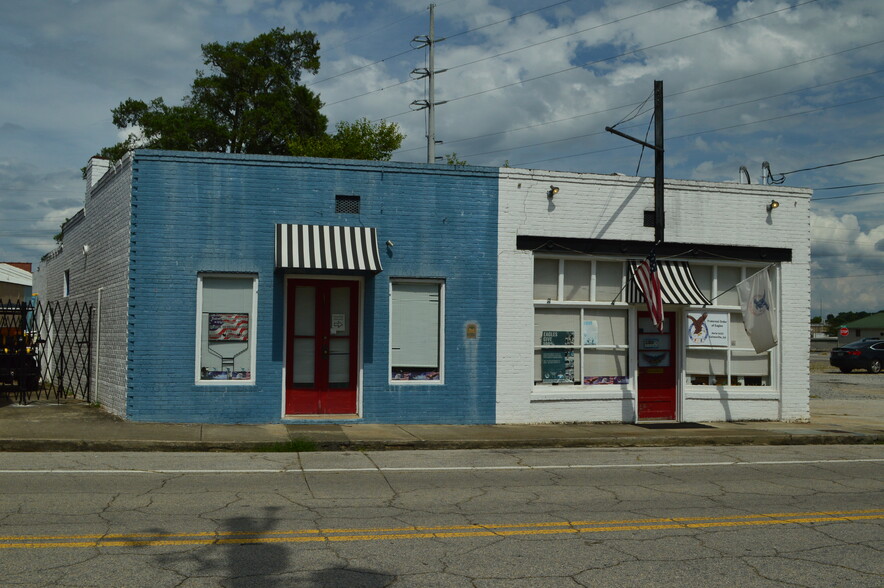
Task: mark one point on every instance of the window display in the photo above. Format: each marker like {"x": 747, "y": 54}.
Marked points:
{"x": 225, "y": 328}
{"x": 579, "y": 344}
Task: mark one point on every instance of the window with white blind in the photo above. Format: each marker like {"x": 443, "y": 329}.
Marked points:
{"x": 416, "y": 311}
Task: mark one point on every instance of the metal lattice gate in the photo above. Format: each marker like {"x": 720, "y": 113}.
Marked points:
{"x": 45, "y": 350}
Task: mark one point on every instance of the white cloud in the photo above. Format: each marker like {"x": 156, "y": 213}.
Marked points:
{"x": 848, "y": 263}
{"x": 67, "y": 64}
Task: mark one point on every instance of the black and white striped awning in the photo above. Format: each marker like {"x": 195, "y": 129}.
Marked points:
{"x": 676, "y": 282}
{"x": 321, "y": 247}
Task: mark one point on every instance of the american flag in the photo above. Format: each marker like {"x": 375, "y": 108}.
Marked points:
{"x": 649, "y": 282}
{"x": 228, "y": 327}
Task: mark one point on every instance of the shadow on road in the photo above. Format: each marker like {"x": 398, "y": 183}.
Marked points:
{"x": 236, "y": 563}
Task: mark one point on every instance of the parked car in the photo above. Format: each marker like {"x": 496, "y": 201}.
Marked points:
{"x": 867, "y": 354}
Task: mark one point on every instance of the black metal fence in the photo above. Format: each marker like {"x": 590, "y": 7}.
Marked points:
{"x": 45, "y": 350}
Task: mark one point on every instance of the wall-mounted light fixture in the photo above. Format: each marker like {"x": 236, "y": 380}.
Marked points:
{"x": 553, "y": 190}
{"x": 85, "y": 250}
{"x": 773, "y": 204}
{"x": 390, "y": 243}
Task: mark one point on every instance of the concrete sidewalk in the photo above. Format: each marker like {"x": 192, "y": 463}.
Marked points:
{"x": 77, "y": 426}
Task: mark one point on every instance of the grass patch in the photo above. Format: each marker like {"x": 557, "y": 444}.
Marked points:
{"x": 296, "y": 445}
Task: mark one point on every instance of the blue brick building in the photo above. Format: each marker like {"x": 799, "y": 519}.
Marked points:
{"x": 270, "y": 289}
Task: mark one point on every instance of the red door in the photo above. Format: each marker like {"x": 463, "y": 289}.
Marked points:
{"x": 322, "y": 349}
{"x": 657, "y": 368}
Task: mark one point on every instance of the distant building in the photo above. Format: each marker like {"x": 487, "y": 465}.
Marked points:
{"x": 871, "y": 326}
{"x": 16, "y": 282}
{"x": 243, "y": 288}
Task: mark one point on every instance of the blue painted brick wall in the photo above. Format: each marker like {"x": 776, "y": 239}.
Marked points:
{"x": 194, "y": 212}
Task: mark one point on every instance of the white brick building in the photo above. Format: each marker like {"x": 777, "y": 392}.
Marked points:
{"x": 562, "y": 282}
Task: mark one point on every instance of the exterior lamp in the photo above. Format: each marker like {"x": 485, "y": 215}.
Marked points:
{"x": 553, "y": 190}
{"x": 773, "y": 204}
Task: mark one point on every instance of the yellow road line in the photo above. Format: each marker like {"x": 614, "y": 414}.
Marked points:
{"x": 451, "y": 531}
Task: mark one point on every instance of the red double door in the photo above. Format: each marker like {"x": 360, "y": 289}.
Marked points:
{"x": 322, "y": 346}
{"x": 657, "y": 369}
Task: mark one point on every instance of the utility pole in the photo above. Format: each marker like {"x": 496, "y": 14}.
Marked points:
{"x": 430, "y": 72}
{"x": 659, "y": 216}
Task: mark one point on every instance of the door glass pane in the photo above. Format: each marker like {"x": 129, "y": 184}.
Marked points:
{"x": 339, "y": 363}
{"x": 305, "y": 310}
{"x": 339, "y": 321}
{"x": 303, "y": 362}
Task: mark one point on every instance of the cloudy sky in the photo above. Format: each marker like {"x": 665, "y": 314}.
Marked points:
{"x": 797, "y": 83}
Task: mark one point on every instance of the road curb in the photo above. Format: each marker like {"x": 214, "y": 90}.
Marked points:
{"x": 63, "y": 445}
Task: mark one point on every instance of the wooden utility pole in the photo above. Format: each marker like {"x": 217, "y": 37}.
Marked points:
{"x": 659, "y": 215}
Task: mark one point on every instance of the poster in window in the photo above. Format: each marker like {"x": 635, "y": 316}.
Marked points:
{"x": 707, "y": 329}
{"x": 228, "y": 327}
{"x": 557, "y": 338}
{"x": 557, "y": 365}
{"x": 338, "y": 323}
{"x": 653, "y": 359}
{"x": 590, "y": 332}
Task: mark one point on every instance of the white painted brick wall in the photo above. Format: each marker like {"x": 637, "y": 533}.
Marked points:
{"x": 105, "y": 228}
{"x": 612, "y": 207}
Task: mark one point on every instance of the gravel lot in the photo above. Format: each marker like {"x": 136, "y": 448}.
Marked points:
{"x": 828, "y": 383}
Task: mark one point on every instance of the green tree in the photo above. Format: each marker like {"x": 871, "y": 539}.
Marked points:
{"x": 249, "y": 101}
{"x": 453, "y": 159}
{"x": 357, "y": 140}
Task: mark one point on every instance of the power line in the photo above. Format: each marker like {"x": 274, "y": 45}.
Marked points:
{"x": 565, "y": 36}
{"x": 795, "y": 171}
{"x": 361, "y": 67}
{"x": 847, "y": 196}
{"x": 313, "y": 83}
{"x": 629, "y": 117}
{"x": 506, "y": 20}
{"x": 848, "y": 186}
{"x": 722, "y": 129}
{"x": 627, "y": 53}
{"x": 680, "y": 93}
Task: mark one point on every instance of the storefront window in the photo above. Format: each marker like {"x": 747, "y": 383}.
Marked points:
{"x": 226, "y": 328}
{"x": 723, "y": 354}
{"x": 579, "y": 344}
{"x": 416, "y": 312}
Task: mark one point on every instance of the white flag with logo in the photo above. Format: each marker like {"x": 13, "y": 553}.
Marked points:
{"x": 759, "y": 311}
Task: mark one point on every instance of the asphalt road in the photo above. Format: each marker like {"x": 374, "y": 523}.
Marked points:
{"x": 725, "y": 516}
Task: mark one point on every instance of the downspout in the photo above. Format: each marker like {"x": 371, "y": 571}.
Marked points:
{"x": 97, "y": 345}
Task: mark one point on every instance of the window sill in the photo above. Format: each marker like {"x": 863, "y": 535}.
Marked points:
{"x": 602, "y": 392}
{"x": 225, "y": 383}
{"x": 731, "y": 393}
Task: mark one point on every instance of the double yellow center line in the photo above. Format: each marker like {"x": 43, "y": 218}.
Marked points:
{"x": 443, "y": 532}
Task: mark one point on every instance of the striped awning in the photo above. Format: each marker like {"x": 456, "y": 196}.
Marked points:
{"x": 321, "y": 247}
{"x": 676, "y": 282}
